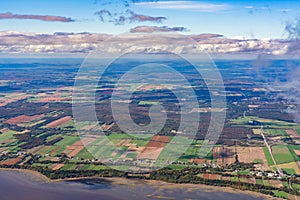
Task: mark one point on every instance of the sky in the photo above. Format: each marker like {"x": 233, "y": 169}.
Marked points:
{"x": 233, "y": 19}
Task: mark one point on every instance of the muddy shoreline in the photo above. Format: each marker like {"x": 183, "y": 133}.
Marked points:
{"x": 134, "y": 182}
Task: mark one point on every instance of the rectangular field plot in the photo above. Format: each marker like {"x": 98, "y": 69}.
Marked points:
{"x": 268, "y": 156}
{"x": 290, "y": 168}
{"x": 282, "y": 154}
{"x": 227, "y": 155}
{"x": 275, "y": 132}
{"x": 272, "y": 124}
{"x": 59, "y": 122}
{"x": 6, "y": 134}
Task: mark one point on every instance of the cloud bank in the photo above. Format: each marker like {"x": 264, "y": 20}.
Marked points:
{"x": 49, "y": 18}
{"x": 12, "y": 42}
{"x": 152, "y": 29}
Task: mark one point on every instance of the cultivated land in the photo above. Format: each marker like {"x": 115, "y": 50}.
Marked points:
{"x": 37, "y": 129}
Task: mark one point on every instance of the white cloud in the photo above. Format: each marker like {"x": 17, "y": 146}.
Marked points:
{"x": 249, "y": 7}
{"x": 185, "y": 5}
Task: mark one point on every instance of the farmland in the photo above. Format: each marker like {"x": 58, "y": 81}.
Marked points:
{"x": 38, "y": 131}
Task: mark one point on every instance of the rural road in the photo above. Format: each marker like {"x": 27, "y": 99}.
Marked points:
{"x": 270, "y": 150}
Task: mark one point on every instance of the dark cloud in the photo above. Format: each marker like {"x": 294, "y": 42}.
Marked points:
{"x": 102, "y": 14}
{"x": 151, "y": 29}
{"x": 143, "y": 18}
{"x": 293, "y": 31}
{"x": 49, "y": 18}
{"x": 126, "y": 17}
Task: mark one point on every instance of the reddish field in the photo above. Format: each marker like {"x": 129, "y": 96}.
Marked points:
{"x": 161, "y": 138}
{"x": 75, "y": 148}
{"x": 297, "y": 152}
{"x": 152, "y": 87}
{"x": 158, "y": 141}
{"x": 212, "y": 176}
{"x": 11, "y": 98}
{"x": 156, "y": 144}
{"x": 57, "y": 166}
{"x": 51, "y": 99}
{"x": 107, "y": 127}
{"x": 150, "y": 153}
{"x": 154, "y": 147}
{"x": 291, "y": 132}
{"x": 197, "y": 160}
{"x": 251, "y": 180}
{"x": 23, "y": 119}
{"x": 59, "y": 122}
{"x": 276, "y": 183}
{"x": 11, "y": 161}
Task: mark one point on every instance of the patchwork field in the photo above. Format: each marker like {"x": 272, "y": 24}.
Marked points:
{"x": 227, "y": 155}
{"x": 282, "y": 154}
{"x": 77, "y": 146}
{"x": 290, "y": 168}
{"x": 154, "y": 147}
{"x": 12, "y": 97}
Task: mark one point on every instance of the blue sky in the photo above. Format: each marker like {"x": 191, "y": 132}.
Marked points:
{"x": 249, "y": 19}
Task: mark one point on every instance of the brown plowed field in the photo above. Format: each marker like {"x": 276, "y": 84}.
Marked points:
{"x": 11, "y": 161}
{"x": 154, "y": 147}
{"x": 59, "y": 122}
{"x": 51, "y": 99}
{"x": 212, "y": 176}
{"x": 226, "y": 155}
{"x": 75, "y": 148}
{"x": 23, "y": 119}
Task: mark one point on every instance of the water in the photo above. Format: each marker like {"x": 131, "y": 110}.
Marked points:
{"x": 18, "y": 185}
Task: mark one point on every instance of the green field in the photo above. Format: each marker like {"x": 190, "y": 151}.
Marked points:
{"x": 85, "y": 154}
{"x": 69, "y": 167}
{"x": 267, "y": 123}
{"x": 276, "y": 132}
{"x": 148, "y": 103}
{"x": 7, "y": 135}
{"x": 280, "y": 194}
{"x": 268, "y": 156}
{"x": 40, "y": 165}
{"x": 266, "y": 182}
{"x": 289, "y": 171}
{"x": 67, "y": 141}
{"x": 45, "y": 150}
{"x": 258, "y": 161}
{"x": 131, "y": 155}
{"x": 282, "y": 154}
{"x": 296, "y": 186}
{"x": 259, "y": 181}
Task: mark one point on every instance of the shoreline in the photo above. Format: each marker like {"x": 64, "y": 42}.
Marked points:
{"x": 133, "y": 181}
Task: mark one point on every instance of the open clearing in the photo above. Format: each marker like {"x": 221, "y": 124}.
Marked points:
{"x": 226, "y": 155}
